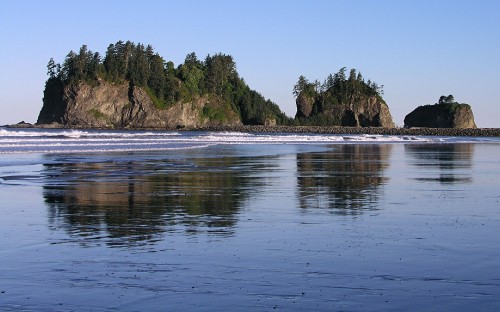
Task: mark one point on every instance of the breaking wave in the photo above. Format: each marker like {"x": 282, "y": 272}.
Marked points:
{"x": 85, "y": 141}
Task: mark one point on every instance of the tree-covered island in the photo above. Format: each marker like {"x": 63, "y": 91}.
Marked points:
{"x": 213, "y": 85}
{"x": 341, "y": 100}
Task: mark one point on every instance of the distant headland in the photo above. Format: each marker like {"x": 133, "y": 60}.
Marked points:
{"x": 133, "y": 87}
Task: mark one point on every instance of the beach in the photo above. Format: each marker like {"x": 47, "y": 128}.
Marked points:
{"x": 99, "y": 220}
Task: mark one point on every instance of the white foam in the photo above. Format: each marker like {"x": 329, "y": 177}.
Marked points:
{"x": 88, "y": 149}
{"x": 48, "y": 141}
{"x": 308, "y": 138}
{"x": 80, "y": 133}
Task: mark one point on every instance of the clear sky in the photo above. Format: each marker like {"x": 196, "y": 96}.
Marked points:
{"x": 418, "y": 49}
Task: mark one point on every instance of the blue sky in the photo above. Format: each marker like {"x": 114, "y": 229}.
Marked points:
{"x": 418, "y": 49}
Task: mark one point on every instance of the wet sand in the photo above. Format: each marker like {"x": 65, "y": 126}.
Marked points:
{"x": 340, "y": 227}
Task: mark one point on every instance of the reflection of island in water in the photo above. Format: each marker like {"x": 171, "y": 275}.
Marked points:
{"x": 136, "y": 202}
{"x": 346, "y": 179}
{"x": 452, "y": 160}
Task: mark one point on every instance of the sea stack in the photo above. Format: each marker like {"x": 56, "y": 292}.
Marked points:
{"x": 342, "y": 101}
{"x": 445, "y": 114}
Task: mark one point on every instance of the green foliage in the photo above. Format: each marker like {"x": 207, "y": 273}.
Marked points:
{"x": 97, "y": 114}
{"x": 220, "y": 69}
{"x": 157, "y": 79}
{"x": 447, "y": 104}
{"x": 317, "y": 120}
{"x": 214, "y": 113}
{"x": 158, "y": 102}
{"x": 84, "y": 66}
{"x": 165, "y": 84}
{"x": 305, "y": 87}
{"x": 191, "y": 73}
{"x": 450, "y": 107}
{"x": 51, "y": 68}
{"x": 443, "y": 99}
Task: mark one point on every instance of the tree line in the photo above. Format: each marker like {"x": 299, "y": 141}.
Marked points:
{"x": 339, "y": 84}
{"x": 337, "y": 88}
{"x": 165, "y": 83}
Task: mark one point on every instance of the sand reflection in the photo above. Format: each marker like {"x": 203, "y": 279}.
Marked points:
{"x": 452, "y": 160}
{"x": 137, "y": 202}
{"x": 346, "y": 180}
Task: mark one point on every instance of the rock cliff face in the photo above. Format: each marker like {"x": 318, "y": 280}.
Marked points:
{"x": 452, "y": 115}
{"x": 367, "y": 112}
{"x": 304, "y": 105}
{"x": 108, "y": 105}
{"x": 364, "y": 112}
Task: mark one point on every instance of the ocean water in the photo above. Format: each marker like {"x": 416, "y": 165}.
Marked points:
{"x": 182, "y": 221}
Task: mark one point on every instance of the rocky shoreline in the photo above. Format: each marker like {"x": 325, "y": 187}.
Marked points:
{"x": 477, "y": 132}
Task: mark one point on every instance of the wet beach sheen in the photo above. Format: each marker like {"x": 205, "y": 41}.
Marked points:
{"x": 309, "y": 223}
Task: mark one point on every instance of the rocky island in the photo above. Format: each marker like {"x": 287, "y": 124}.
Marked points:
{"x": 445, "y": 114}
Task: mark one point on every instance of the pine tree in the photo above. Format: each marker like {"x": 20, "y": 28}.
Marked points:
{"x": 51, "y": 68}
{"x": 300, "y": 86}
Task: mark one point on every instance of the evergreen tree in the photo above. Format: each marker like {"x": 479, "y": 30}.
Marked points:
{"x": 51, "y": 68}
{"x": 220, "y": 69}
{"x": 446, "y": 99}
{"x": 157, "y": 76}
{"x": 352, "y": 75}
{"x": 192, "y": 74}
{"x": 339, "y": 77}
{"x": 111, "y": 63}
{"x": 329, "y": 82}
{"x": 138, "y": 66}
{"x": 301, "y": 85}
{"x": 69, "y": 68}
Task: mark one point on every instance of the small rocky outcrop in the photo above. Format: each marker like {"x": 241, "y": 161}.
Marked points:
{"x": 109, "y": 105}
{"x": 441, "y": 115}
{"x": 21, "y": 124}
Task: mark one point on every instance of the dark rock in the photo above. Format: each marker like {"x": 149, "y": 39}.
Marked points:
{"x": 444, "y": 115}
{"x": 367, "y": 111}
{"x": 304, "y": 105}
{"x": 54, "y": 106}
{"x": 21, "y": 124}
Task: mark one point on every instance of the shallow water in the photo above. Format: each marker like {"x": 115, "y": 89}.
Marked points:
{"x": 268, "y": 225}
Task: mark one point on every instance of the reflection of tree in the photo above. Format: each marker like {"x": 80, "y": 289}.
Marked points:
{"x": 346, "y": 179}
{"x": 134, "y": 203}
{"x": 450, "y": 159}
